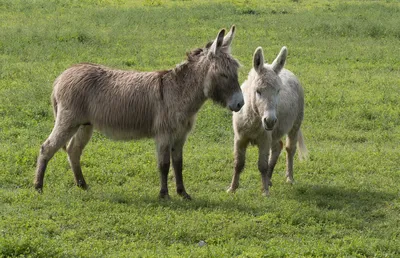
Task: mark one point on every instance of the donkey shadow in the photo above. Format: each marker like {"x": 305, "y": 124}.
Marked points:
{"x": 356, "y": 203}
{"x": 360, "y": 204}
{"x": 230, "y": 203}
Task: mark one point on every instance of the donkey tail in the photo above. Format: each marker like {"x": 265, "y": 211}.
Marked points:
{"x": 54, "y": 104}
{"x": 55, "y": 109}
{"x": 303, "y": 152}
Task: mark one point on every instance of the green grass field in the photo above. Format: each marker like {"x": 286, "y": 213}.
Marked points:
{"x": 346, "y": 200}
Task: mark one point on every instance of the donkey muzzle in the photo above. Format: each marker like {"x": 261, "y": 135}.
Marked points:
{"x": 236, "y": 102}
{"x": 269, "y": 122}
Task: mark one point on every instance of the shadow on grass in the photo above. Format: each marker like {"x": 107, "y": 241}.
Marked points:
{"x": 322, "y": 196}
{"x": 337, "y": 197}
{"x": 226, "y": 203}
{"x": 324, "y": 203}
{"x": 351, "y": 207}
{"x": 357, "y": 203}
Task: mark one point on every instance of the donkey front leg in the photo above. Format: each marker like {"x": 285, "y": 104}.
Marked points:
{"x": 263, "y": 156}
{"x": 276, "y": 148}
{"x": 163, "y": 155}
{"x": 177, "y": 163}
{"x": 240, "y": 146}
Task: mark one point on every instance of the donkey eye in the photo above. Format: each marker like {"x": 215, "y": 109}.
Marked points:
{"x": 258, "y": 93}
{"x": 224, "y": 75}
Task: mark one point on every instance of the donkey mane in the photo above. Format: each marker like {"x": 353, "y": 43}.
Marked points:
{"x": 193, "y": 55}
{"x": 160, "y": 75}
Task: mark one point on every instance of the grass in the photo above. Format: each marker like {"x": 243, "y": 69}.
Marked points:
{"x": 346, "y": 199}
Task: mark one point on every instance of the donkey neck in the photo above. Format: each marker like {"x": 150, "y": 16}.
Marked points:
{"x": 185, "y": 85}
{"x": 249, "y": 110}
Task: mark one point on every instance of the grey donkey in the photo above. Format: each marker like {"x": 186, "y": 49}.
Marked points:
{"x": 126, "y": 105}
{"x": 274, "y": 107}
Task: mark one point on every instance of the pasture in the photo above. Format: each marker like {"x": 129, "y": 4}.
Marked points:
{"x": 346, "y": 199}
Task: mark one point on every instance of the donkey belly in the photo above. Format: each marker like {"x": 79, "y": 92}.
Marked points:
{"x": 123, "y": 120}
{"x": 119, "y": 127}
{"x": 123, "y": 135}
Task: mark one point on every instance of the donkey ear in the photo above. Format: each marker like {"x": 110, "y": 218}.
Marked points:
{"x": 280, "y": 60}
{"x": 258, "y": 60}
{"x": 217, "y": 42}
{"x": 229, "y": 37}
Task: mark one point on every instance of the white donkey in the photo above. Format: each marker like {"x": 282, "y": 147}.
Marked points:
{"x": 274, "y": 107}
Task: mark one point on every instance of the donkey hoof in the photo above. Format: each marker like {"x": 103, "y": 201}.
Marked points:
{"x": 231, "y": 190}
{"x": 164, "y": 195}
{"x": 289, "y": 180}
{"x": 184, "y": 195}
{"x": 39, "y": 189}
{"x": 265, "y": 193}
{"x": 82, "y": 185}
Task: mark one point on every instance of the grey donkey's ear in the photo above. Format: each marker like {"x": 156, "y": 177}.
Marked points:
{"x": 280, "y": 60}
{"x": 229, "y": 37}
{"x": 217, "y": 42}
{"x": 258, "y": 60}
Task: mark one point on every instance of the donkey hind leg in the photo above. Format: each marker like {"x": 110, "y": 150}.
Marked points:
{"x": 164, "y": 157}
{"x": 59, "y": 137}
{"x": 276, "y": 148}
{"x": 240, "y": 146}
{"x": 291, "y": 146}
{"x": 177, "y": 161}
{"x": 74, "y": 150}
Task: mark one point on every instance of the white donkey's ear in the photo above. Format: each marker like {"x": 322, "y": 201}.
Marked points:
{"x": 280, "y": 60}
{"x": 258, "y": 60}
{"x": 217, "y": 42}
{"x": 229, "y": 37}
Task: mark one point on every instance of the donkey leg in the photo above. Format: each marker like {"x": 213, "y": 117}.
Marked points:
{"x": 177, "y": 161}
{"x": 74, "y": 150}
{"x": 276, "y": 148}
{"x": 263, "y": 156}
{"x": 291, "y": 146}
{"x": 58, "y": 138}
{"x": 164, "y": 156}
{"x": 240, "y": 146}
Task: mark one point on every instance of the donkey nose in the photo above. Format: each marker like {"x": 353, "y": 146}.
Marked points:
{"x": 235, "y": 107}
{"x": 240, "y": 105}
{"x": 236, "y": 102}
{"x": 269, "y": 123}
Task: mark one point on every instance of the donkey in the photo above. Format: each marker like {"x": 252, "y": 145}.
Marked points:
{"x": 127, "y": 105}
{"x": 274, "y": 107}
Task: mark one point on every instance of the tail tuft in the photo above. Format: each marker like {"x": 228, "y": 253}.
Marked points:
{"x": 303, "y": 152}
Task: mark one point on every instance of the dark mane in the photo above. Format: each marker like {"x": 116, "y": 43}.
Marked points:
{"x": 194, "y": 53}
{"x": 160, "y": 75}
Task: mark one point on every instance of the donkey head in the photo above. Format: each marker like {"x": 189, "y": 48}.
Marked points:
{"x": 266, "y": 86}
{"x": 221, "y": 82}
